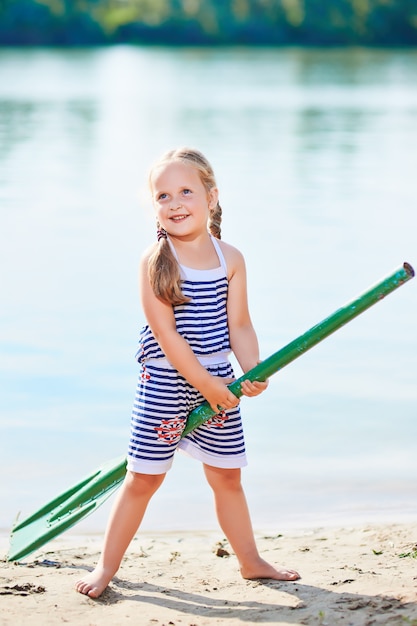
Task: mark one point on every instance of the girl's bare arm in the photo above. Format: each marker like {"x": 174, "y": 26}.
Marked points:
{"x": 243, "y": 339}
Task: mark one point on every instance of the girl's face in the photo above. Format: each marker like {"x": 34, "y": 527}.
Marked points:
{"x": 181, "y": 200}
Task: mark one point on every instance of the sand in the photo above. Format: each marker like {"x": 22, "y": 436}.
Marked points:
{"x": 351, "y": 576}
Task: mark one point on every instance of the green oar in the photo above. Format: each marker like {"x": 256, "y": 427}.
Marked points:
{"x": 88, "y": 494}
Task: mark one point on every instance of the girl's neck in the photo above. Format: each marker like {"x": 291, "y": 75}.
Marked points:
{"x": 198, "y": 253}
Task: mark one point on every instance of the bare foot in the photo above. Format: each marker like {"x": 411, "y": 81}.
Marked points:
{"x": 94, "y": 584}
{"x": 262, "y": 569}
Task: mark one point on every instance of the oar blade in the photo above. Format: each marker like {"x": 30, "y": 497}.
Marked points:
{"x": 61, "y": 513}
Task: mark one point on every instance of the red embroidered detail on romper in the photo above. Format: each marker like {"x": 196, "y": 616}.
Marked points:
{"x": 145, "y": 375}
{"x": 170, "y": 430}
{"x": 217, "y": 420}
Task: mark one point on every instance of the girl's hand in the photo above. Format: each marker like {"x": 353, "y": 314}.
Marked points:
{"x": 218, "y": 395}
{"x": 253, "y": 389}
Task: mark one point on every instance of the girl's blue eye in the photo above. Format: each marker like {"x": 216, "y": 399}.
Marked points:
{"x": 187, "y": 191}
{"x": 162, "y": 196}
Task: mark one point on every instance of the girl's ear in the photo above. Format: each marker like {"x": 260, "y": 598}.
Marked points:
{"x": 213, "y": 197}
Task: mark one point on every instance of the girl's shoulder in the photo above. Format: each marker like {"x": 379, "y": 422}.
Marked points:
{"x": 233, "y": 257}
{"x": 229, "y": 250}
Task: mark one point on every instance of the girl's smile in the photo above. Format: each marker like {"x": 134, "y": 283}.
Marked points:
{"x": 178, "y": 218}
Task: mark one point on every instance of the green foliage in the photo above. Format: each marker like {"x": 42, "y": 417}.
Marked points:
{"x": 205, "y": 22}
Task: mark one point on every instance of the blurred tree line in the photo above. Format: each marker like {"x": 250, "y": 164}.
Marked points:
{"x": 206, "y": 22}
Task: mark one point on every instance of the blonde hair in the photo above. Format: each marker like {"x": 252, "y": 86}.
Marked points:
{"x": 163, "y": 269}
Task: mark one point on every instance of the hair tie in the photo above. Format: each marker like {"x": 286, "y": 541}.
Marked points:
{"x": 161, "y": 233}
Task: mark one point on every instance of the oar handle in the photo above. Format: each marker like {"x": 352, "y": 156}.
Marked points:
{"x": 317, "y": 333}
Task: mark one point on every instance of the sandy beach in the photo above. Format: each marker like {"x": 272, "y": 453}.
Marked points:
{"x": 357, "y": 576}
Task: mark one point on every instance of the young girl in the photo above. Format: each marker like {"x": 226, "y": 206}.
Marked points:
{"x": 193, "y": 293}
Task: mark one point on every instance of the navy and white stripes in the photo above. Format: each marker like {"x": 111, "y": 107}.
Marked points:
{"x": 164, "y": 398}
{"x": 162, "y": 404}
{"x": 202, "y": 321}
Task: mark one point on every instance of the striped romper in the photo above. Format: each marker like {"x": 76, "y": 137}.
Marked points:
{"x": 164, "y": 398}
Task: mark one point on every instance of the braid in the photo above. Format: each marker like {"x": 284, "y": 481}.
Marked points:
{"x": 164, "y": 272}
{"x": 215, "y": 220}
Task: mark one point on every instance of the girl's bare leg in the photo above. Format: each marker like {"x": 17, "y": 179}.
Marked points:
{"x": 234, "y": 519}
{"x": 127, "y": 513}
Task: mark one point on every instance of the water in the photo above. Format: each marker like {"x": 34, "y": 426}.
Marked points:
{"x": 315, "y": 158}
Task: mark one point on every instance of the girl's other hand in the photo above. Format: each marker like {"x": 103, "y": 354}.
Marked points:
{"x": 253, "y": 389}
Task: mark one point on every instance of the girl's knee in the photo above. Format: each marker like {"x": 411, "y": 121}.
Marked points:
{"x": 223, "y": 478}
{"x": 143, "y": 483}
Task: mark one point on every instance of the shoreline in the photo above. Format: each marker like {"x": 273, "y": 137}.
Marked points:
{"x": 361, "y": 575}
{"x": 290, "y": 523}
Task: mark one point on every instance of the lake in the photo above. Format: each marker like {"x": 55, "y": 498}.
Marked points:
{"x": 314, "y": 152}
